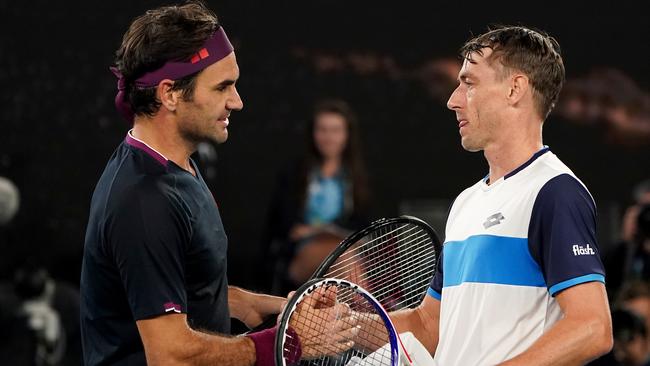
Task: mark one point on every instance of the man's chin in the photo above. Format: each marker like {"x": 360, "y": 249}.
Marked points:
{"x": 218, "y": 138}
{"x": 469, "y": 146}
{"x": 221, "y": 138}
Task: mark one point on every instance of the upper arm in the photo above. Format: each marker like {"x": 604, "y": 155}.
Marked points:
{"x": 146, "y": 234}
{"x": 587, "y": 304}
{"x": 164, "y": 339}
{"x": 586, "y": 300}
{"x": 562, "y": 235}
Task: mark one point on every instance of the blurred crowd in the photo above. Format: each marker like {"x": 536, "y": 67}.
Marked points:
{"x": 39, "y": 316}
{"x": 609, "y": 98}
{"x": 627, "y": 266}
{"x": 605, "y": 98}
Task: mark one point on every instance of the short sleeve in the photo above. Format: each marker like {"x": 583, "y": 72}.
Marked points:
{"x": 562, "y": 234}
{"x": 147, "y": 235}
{"x": 435, "y": 289}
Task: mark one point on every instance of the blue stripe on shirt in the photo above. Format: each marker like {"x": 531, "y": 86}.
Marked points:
{"x": 575, "y": 281}
{"x": 433, "y": 293}
{"x": 490, "y": 259}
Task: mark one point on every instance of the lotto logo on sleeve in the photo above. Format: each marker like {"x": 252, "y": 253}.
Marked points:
{"x": 581, "y": 250}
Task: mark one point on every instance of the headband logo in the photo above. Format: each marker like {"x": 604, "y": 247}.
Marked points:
{"x": 203, "y": 53}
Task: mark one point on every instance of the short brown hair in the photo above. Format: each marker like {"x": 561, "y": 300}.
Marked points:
{"x": 160, "y": 35}
{"x": 534, "y": 53}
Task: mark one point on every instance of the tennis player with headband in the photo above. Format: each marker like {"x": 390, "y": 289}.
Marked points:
{"x": 153, "y": 285}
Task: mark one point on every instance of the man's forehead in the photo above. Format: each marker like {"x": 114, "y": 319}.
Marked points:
{"x": 476, "y": 60}
{"x": 226, "y": 68}
{"x": 479, "y": 56}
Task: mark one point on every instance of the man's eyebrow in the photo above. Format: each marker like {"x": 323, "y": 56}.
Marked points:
{"x": 227, "y": 82}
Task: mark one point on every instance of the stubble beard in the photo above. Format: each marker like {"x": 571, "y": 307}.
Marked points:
{"x": 197, "y": 132}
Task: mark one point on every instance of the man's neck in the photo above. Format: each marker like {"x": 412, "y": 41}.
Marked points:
{"x": 512, "y": 151}
{"x": 160, "y": 136}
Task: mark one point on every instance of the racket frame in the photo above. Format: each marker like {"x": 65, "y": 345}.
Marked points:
{"x": 309, "y": 287}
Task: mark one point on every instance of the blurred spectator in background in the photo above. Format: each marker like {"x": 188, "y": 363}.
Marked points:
{"x": 38, "y": 316}
{"x": 9, "y": 204}
{"x": 609, "y": 99}
{"x": 9, "y": 201}
{"x": 635, "y": 297}
{"x": 605, "y": 99}
{"x": 572, "y": 104}
{"x": 47, "y": 318}
{"x": 14, "y": 348}
{"x": 630, "y": 258}
{"x": 436, "y": 75}
{"x": 318, "y": 201}
{"x": 439, "y": 77}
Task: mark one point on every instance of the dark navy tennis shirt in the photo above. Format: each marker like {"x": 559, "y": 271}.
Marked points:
{"x": 155, "y": 245}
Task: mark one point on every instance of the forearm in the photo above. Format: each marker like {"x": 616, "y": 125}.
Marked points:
{"x": 373, "y": 334}
{"x": 423, "y": 327}
{"x": 252, "y": 308}
{"x": 238, "y": 302}
{"x": 198, "y": 348}
{"x": 168, "y": 340}
{"x": 568, "y": 342}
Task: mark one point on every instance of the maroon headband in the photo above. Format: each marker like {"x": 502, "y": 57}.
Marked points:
{"x": 215, "y": 48}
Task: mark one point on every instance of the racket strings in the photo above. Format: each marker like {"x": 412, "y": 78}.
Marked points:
{"x": 408, "y": 265}
{"x": 369, "y": 244}
{"x": 321, "y": 324}
{"x": 395, "y": 264}
{"x": 364, "y": 249}
{"x": 408, "y": 272}
{"x": 383, "y": 280}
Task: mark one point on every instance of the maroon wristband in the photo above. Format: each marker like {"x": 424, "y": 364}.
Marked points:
{"x": 264, "y": 345}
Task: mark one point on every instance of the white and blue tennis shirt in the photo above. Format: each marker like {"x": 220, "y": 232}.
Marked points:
{"x": 509, "y": 248}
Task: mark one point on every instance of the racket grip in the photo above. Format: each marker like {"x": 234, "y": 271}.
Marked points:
{"x": 264, "y": 346}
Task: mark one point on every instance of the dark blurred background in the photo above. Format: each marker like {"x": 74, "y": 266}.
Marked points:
{"x": 394, "y": 62}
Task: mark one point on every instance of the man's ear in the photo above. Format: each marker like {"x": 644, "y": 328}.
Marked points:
{"x": 519, "y": 88}
{"x": 168, "y": 97}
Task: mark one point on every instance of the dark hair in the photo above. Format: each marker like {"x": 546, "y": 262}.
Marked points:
{"x": 352, "y": 160}
{"x": 534, "y": 53}
{"x": 160, "y": 35}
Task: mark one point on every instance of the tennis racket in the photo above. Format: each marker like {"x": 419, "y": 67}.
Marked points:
{"x": 394, "y": 259}
{"x": 321, "y": 325}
